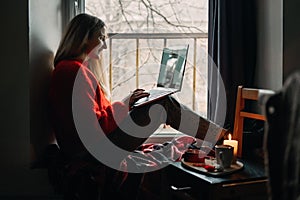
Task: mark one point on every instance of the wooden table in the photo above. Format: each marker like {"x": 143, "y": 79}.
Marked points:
{"x": 182, "y": 183}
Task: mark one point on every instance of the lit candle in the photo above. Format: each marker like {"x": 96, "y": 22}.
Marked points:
{"x": 234, "y": 144}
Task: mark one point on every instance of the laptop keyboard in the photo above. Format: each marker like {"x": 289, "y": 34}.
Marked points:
{"x": 153, "y": 95}
{"x": 156, "y": 93}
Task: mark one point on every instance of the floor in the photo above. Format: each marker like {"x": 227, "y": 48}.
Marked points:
{"x": 58, "y": 197}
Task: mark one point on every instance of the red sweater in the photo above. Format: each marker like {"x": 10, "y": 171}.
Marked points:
{"x": 95, "y": 102}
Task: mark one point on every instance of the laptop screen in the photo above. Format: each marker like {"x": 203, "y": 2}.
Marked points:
{"x": 172, "y": 67}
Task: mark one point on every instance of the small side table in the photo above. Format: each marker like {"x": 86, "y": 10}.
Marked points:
{"x": 248, "y": 183}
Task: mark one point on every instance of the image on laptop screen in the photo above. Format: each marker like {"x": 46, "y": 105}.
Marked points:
{"x": 172, "y": 67}
{"x": 170, "y": 76}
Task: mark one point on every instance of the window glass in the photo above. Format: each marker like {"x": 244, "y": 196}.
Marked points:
{"x": 143, "y": 28}
{"x": 133, "y": 16}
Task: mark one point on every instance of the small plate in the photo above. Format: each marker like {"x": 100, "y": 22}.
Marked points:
{"x": 200, "y": 167}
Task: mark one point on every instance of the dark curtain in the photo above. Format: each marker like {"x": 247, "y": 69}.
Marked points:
{"x": 232, "y": 51}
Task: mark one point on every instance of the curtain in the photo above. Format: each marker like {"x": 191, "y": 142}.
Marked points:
{"x": 232, "y": 55}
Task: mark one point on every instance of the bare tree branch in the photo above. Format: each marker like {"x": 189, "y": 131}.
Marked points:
{"x": 124, "y": 15}
{"x": 165, "y": 18}
{"x": 139, "y": 14}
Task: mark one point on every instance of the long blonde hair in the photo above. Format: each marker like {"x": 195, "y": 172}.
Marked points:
{"x": 96, "y": 66}
{"x": 73, "y": 44}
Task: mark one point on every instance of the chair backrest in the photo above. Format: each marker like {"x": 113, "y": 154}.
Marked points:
{"x": 244, "y": 94}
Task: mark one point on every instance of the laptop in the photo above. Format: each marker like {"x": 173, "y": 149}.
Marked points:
{"x": 170, "y": 76}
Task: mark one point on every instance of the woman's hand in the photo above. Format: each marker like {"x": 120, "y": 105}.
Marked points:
{"x": 136, "y": 95}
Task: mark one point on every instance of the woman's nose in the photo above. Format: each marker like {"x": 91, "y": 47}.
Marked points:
{"x": 104, "y": 45}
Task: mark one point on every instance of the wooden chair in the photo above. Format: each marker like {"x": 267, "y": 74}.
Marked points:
{"x": 243, "y": 95}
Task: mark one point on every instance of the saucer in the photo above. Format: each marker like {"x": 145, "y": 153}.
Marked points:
{"x": 211, "y": 168}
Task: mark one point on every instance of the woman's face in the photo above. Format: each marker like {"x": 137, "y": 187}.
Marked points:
{"x": 97, "y": 43}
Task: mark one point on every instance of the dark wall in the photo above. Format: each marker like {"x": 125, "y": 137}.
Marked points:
{"x": 14, "y": 143}
{"x": 291, "y": 39}
{"x": 45, "y": 23}
{"x": 17, "y": 180}
{"x": 269, "y": 69}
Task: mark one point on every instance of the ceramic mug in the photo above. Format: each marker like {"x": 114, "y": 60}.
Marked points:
{"x": 224, "y": 155}
{"x": 194, "y": 155}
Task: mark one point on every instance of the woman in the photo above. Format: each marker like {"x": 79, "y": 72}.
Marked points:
{"x": 83, "y": 117}
{"x": 81, "y": 44}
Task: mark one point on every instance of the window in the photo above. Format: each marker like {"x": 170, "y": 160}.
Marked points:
{"x": 139, "y": 29}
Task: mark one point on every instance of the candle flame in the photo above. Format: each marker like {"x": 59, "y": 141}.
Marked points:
{"x": 229, "y": 136}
